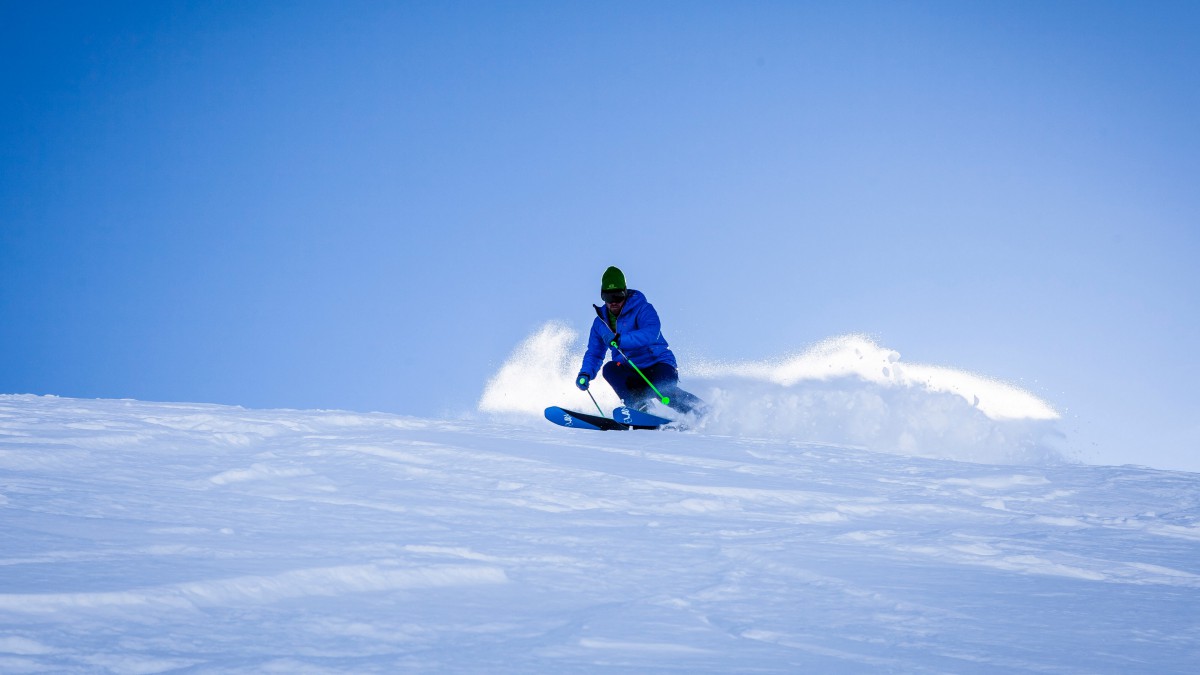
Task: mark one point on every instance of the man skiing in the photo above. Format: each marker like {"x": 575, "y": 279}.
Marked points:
{"x": 628, "y": 325}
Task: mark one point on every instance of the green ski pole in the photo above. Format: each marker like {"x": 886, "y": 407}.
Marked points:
{"x": 617, "y": 347}
{"x": 589, "y": 393}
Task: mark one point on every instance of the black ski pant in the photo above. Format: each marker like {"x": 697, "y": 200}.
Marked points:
{"x": 634, "y": 391}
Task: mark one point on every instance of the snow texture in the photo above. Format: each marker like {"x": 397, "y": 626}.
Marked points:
{"x": 845, "y": 390}
{"x": 146, "y": 538}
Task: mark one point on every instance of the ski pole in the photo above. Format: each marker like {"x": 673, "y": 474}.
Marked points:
{"x": 589, "y": 393}
{"x": 666, "y": 400}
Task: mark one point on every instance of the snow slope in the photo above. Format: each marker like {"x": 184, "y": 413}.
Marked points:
{"x": 143, "y": 538}
{"x": 846, "y": 390}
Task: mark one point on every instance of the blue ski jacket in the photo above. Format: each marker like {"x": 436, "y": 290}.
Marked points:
{"x": 641, "y": 337}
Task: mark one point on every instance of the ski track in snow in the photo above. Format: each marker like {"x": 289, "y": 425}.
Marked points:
{"x": 144, "y": 538}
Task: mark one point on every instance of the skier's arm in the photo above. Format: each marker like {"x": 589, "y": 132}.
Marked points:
{"x": 649, "y": 329}
{"x": 594, "y": 356}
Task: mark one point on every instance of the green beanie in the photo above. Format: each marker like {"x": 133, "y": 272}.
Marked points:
{"x": 614, "y": 280}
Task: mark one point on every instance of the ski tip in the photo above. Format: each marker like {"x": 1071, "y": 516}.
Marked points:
{"x": 564, "y": 418}
{"x": 578, "y": 420}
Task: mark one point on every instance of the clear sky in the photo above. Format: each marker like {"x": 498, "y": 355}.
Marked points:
{"x": 367, "y": 205}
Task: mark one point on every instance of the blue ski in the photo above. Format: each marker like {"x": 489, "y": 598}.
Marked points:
{"x": 635, "y": 417}
{"x": 578, "y": 420}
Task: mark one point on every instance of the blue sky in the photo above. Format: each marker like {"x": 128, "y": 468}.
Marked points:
{"x": 368, "y": 205}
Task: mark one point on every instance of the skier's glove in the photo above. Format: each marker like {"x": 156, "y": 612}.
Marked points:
{"x": 616, "y": 340}
{"x": 581, "y": 381}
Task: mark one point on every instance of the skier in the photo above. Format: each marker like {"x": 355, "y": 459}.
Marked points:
{"x": 630, "y": 322}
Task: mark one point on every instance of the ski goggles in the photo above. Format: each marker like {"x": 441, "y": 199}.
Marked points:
{"x": 614, "y": 296}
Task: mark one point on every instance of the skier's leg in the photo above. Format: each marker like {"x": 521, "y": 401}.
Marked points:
{"x": 687, "y": 402}
{"x": 666, "y": 378}
{"x": 626, "y": 382}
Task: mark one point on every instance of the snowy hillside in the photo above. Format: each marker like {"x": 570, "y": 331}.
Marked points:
{"x": 845, "y": 390}
{"x": 143, "y": 538}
